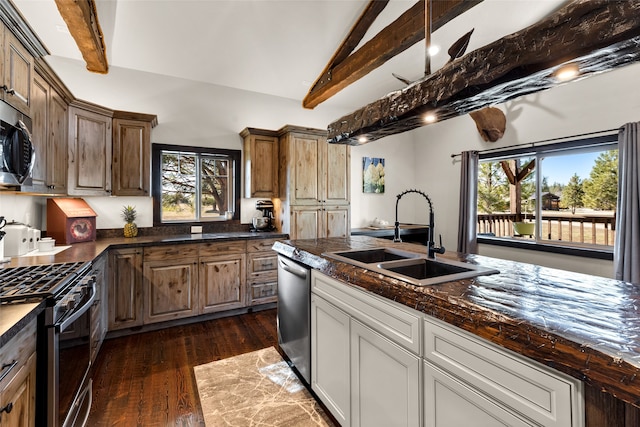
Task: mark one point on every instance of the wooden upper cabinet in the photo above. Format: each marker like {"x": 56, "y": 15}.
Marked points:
{"x": 49, "y": 135}
{"x": 335, "y": 179}
{"x": 260, "y": 150}
{"x": 312, "y": 170}
{"x": 18, "y": 73}
{"x": 90, "y": 141}
{"x": 131, "y": 160}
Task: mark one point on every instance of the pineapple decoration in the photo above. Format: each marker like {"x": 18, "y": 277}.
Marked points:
{"x": 129, "y": 214}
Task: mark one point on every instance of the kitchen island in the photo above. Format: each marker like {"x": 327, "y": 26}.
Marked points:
{"x": 583, "y": 326}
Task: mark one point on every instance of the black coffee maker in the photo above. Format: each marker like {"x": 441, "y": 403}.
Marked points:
{"x": 266, "y": 222}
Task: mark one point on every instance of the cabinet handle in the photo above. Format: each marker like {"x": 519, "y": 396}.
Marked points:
{"x": 8, "y": 367}
{"x": 7, "y": 408}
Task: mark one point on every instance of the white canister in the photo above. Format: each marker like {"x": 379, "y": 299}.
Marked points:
{"x": 34, "y": 237}
{"x": 16, "y": 239}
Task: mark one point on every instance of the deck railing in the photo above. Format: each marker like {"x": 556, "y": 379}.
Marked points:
{"x": 579, "y": 228}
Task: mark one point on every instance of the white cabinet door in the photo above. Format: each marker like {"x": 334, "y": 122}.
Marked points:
{"x": 448, "y": 402}
{"x": 385, "y": 381}
{"x": 330, "y": 342}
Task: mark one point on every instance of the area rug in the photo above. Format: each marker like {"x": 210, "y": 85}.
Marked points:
{"x": 255, "y": 389}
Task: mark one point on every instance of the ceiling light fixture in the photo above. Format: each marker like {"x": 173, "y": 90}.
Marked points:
{"x": 362, "y": 139}
{"x": 429, "y": 118}
{"x": 433, "y": 50}
{"x": 567, "y": 72}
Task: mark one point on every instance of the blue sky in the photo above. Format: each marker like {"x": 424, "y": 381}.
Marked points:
{"x": 561, "y": 168}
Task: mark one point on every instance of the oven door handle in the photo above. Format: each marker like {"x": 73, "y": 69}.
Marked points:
{"x": 80, "y": 310}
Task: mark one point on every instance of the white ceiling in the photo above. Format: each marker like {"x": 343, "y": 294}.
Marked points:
{"x": 275, "y": 47}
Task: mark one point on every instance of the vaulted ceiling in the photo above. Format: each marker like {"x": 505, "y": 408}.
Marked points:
{"x": 275, "y": 47}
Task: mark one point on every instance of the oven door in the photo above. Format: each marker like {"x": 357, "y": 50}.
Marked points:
{"x": 69, "y": 364}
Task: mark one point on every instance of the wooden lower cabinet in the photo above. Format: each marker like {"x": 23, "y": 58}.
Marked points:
{"x": 125, "y": 288}
{"x": 18, "y": 387}
{"x": 170, "y": 289}
{"x": 262, "y": 272}
{"x": 99, "y": 315}
{"x": 315, "y": 222}
{"x": 222, "y": 283}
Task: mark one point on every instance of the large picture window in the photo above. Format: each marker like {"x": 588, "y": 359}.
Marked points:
{"x": 195, "y": 184}
{"x": 562, "y": 194}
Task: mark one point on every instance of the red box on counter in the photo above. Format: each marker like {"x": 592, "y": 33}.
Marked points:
{"x": 70, "y": 220}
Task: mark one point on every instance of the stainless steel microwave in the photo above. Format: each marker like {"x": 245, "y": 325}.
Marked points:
{"x": 17, "y": 153}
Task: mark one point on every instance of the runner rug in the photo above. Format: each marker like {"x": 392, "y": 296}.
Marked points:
{"x": 255, "y": 389}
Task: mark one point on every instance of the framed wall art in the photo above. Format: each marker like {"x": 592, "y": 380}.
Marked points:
{"x": 373, "y": 175}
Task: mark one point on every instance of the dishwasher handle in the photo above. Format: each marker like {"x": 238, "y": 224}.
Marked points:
{"x": 294, "y": 269}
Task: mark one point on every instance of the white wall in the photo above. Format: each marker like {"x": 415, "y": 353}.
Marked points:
{"x": 398, "y": 152}
{"x": 594, "y": 104}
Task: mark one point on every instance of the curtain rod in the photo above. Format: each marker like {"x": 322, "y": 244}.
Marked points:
{"x": 533, "y": 144}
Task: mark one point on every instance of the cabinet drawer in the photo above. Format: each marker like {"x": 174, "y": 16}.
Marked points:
{"x": 259, "y": 245}
{"x": 16, "y": 352}
{"x": 264, "y": 292}
{"x": 223, "y": 248}
{"x": 542, "y": 394}
{"x": 262, "y": 263}
{"x": 398, "y": 323}
{"x": 169, "y": 252}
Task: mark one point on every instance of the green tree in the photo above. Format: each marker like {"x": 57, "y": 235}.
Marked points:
{"x": 573, "y": 193}
{"x": 493, "y": 189}
{"x": 601, "y": 189}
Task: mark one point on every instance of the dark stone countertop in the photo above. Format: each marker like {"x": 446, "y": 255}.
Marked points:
{"x": 585, "y": 326}
{"x": 14, "y": 316}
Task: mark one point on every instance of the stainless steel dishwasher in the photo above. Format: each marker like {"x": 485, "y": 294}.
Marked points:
{"x": 294, "y": 314}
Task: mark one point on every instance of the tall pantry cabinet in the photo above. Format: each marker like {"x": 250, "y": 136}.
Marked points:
{"x": 314, "y": 184}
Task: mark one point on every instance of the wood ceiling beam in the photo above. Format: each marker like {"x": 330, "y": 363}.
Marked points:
{"x": 398, "y": 36}
{"x": 81, "y": 18}
{"x": 596, "y": 35}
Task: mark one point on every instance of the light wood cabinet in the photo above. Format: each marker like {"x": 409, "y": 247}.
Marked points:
{"x": 17, "y": 73}
{"x": 131, "y": 161}
{"x": 125, "y": 288}
{"x": 314, "y": 184}
{"x": 90, "y": 150}
{"x": 314, "y": 222}
{"x": 262, "y": 271}
{"x": 222, "y": 276}
{"x": 18, "y": 383}
{"x": 170, "y": 282}
{"x": 260, "y": 152}
{"x": 49, "y": 134}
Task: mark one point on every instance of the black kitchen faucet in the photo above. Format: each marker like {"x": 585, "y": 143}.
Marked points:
{"x": 432, "y": 249}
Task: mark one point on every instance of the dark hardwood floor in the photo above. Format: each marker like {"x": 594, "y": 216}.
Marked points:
{"x": 147, "y": 379}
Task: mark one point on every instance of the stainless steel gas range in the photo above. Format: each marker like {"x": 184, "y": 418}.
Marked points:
{"x": 64, "y": 336}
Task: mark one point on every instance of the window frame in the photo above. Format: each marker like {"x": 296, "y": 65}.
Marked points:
{"x": 603, "y": 142}
{"x": 235, "y": 156}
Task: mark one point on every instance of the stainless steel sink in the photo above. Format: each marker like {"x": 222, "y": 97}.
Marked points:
{"x": 412, "y": 267}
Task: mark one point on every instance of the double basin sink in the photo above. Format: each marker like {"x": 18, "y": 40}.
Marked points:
{"x": 412, "y": 267}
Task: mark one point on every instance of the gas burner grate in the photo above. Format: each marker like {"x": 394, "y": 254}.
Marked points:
{"x": 35, "y": 280}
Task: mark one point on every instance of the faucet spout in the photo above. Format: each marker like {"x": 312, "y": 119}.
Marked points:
{"x": 432, "y": 249}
